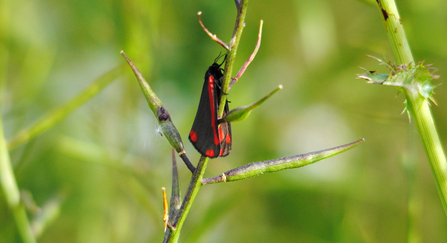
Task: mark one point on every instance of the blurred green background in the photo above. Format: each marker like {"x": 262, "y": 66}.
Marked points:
{"x": 102, "y": 168}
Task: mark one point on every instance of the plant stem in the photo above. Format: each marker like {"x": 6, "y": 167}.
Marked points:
{"x": 193, "y": 189}
{"x": 234, "y": 43}
{"x": 395, "y": 31}
{"x": 11, "y": 192}
{"x": 432, "y": 145}
{"x": 196, "y": 181}
{"x": 416, "y": 104}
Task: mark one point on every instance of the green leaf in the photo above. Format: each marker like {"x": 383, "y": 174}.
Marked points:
{"x": 415, "y": 80}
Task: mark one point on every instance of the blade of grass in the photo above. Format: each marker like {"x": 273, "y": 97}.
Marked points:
{"x": 11, "y": 192}
{"x": 66, "y": 109}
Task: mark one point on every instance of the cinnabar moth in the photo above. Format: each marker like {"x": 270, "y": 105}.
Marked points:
{"x": 209, "y": 137}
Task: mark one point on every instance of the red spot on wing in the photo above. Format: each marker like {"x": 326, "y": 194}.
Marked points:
{"x": 228, "y": 139}
{"x": 210, "y": 153}
{"x": 193, "y": 136}
{"x": 221, "y": 134}
{"x": 213, "y": 108}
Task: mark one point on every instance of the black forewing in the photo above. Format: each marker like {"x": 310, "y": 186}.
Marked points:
{"x": 203, "y": 127}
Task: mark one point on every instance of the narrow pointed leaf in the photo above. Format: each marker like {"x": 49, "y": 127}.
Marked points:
{"x": 176, "y": 201}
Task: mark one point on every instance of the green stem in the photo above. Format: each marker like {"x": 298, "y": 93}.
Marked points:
{"x": 418, "y": 106}
{"x": 228, "y": 70}
{"x": 395, "y": 31}
{"x": 196, "y": 181}
{"x": 193, "y": 189}
{"x": 420, "y": 110}
{"x": 12, "y": 193}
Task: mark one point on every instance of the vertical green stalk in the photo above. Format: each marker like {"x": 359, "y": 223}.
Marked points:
{"x": 420, "y": 110}
{"x": 417, "y": 105}
{"x": 196, "y": 182}
{"x": 395, "y": 31}
{"x": 12, "y": 193}
{"x": 193, "y": 189}
{"x": 194, "y": 186}
{"x": 234, "y": 44}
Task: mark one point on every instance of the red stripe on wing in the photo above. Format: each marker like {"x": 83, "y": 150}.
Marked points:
{"x": 212, "y": 107}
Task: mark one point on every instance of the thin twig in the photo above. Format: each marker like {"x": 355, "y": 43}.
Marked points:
{"x": 238, "y": 4}
{"x": 213, "y": 36}
{"x": 229, "y": 62}
{"x": 250, "y": 59}
{"x": 187, "y": 162}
